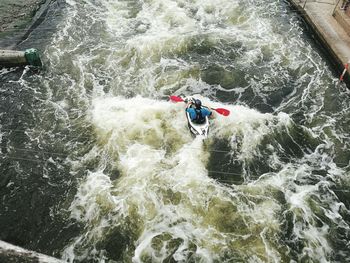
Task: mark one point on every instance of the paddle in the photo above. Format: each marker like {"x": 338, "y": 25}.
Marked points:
{"x": 221, "y": 111}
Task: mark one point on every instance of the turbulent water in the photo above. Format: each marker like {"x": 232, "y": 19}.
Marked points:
{"x": 97, "y": 165}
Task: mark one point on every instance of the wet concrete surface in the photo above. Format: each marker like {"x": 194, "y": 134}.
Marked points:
{"x": 18, "y": 19}
{"x": 321, "y": 17}
{"x": 14, "y": 15}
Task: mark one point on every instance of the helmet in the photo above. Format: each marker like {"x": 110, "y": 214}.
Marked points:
{"x": 197, "y": 103}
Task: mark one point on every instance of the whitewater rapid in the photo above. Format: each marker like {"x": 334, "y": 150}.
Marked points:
{"x": 108, "y": 162}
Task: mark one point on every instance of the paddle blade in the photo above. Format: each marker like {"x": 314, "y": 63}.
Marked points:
{"x": 222, "y": 111}
{"x": 176, "y": 99}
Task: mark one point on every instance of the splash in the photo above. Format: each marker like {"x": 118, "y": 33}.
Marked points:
{"x": 147, "y": 191}
{"x": 163, "y": 195}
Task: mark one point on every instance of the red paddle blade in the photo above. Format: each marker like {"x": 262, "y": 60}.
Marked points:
{"x": 222, "y": 111}
{"x": 176, "y": 99}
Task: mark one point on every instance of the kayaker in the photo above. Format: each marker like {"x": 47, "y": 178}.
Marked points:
{"x": 197, "y": 112}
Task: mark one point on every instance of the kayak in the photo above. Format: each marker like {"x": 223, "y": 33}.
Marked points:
{"x": 198, "y": 129}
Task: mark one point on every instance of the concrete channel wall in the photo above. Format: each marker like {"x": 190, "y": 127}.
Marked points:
{"x": 329, "y": 24}
{"x": 12, "y": 17}
{"x": 13, "y": 254}
{"x": 17, "y": 17}
{"x": 343, "y": 18}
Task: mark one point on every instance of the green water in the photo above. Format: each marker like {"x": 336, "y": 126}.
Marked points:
{"x": 99, "y": 166}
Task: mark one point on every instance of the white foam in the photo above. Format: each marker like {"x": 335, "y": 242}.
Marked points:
{"x": 163, "y": 183}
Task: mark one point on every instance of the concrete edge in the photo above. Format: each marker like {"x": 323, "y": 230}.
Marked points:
{"x": 342, "y": 19}
{"x": 15, "y": 254}
{"x": 12, "y": 41}
{"x": 318, "y": 35}
{"x": 37, "y": 19}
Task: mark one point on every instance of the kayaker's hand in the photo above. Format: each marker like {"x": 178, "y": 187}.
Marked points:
{"x": 211, "y": 116}
{"x": 188, "y": 101}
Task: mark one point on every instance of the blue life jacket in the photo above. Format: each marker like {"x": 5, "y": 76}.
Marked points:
{"x": 198, "y": 115}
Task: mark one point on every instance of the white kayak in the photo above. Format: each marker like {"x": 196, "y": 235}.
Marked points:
{"x": 198, "y": 129}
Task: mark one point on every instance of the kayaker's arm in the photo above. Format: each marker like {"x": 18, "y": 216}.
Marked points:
{"x": 189, "y": 102}
{"x": 212, "y": 115}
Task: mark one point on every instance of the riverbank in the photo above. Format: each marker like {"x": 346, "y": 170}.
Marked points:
{"x": 323, "y": 18}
